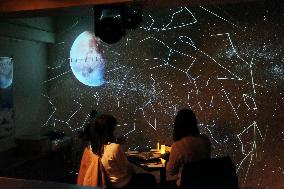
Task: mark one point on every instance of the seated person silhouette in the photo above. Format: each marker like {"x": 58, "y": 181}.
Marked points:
{"x": 104, "y": 163}
{"x": 214, "y": 173}
{"x": 189, "y": 145}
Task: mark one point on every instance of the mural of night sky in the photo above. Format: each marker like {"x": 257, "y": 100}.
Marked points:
{"x": 224, "y": 62}
{"x": 7, "y": 126}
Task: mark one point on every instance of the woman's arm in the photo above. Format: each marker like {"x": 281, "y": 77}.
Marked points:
{"x": 173, "y": 164}
{"x": 123, "y": 161}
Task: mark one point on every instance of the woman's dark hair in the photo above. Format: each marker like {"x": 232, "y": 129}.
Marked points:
{"x": 185, "y": 124}
{"x": 86, "y": 135}
{"x": 86, "y": 132}
{"x": 101, "y": 132}
{"x": 93, "y": 114}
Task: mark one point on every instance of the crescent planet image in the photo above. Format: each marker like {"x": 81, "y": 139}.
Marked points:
{"x": 6, "y": 72}
{"x": 86, "y": 61}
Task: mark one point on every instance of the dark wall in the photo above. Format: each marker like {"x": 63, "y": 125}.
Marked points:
{"x": 25, "y": 40}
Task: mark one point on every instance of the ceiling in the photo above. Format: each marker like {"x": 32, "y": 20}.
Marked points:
{"x": 19, "y": 8}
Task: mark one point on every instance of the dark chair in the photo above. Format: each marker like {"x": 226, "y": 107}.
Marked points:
{"x": 214, "y": 173}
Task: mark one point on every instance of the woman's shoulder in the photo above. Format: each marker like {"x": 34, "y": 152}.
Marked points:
{"x": 192, "y": 139}
{"x": 112, "y": 147}
{"x": 187, "y": 139}
{"x": 182, "y": 142}
{"x": 112, "y": 150}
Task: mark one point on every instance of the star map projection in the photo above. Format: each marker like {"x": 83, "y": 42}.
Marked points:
{"x": 225, "y": 63}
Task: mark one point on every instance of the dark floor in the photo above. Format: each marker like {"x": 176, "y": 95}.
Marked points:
{"x": 48, "y": 167}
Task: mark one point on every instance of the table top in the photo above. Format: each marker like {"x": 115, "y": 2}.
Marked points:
{"x": 152, "y": 166}
{"x": 145, "y": 160}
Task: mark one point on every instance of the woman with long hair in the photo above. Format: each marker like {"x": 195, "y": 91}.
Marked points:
{"x": 189, "y": 145}
{"x": 102, "y": 143}
{"x": 118, "y": 171}
{"x": 85, "y": 134}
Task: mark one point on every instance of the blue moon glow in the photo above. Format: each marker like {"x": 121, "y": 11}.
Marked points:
{"x": 6, "y": 72}
{"x": 86, "y": 62}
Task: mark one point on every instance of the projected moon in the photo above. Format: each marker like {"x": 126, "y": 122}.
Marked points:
{"x": 6, "y": 72}
{"x": 86, "y": 62}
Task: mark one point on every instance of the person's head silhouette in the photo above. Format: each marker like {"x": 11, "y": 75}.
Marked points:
{"x": 93, "y": 114}
{"x": 102, "y": 132}
{"x": 185, "y": 124}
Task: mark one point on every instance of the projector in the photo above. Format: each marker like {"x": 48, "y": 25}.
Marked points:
{"x": 112, "y": 21}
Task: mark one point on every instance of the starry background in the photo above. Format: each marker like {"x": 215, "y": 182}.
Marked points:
{"x": 225, "y": 62}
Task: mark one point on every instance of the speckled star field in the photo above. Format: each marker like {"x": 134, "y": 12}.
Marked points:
{"x": 225, "y": 63}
